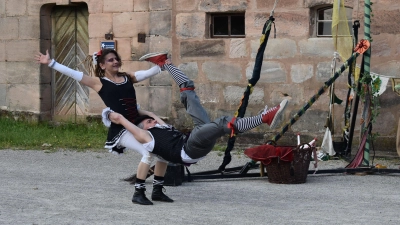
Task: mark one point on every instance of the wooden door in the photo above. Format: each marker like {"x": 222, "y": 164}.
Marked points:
{"x": 70, "y": 40}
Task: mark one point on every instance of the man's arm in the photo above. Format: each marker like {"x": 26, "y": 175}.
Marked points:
{"x": 140, "y": 135}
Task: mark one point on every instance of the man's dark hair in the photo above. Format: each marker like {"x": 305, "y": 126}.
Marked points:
{"x": 140, "y": 119}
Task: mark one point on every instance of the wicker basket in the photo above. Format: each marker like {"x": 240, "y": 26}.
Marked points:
{"x": 295, "y": 172}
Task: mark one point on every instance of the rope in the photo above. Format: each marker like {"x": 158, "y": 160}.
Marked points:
{"x": 272, "y": 11}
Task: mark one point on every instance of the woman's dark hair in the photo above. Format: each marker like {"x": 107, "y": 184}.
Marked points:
{"x": 101, "y": 57}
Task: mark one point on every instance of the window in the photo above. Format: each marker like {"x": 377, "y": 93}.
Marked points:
{"x": 227, "y": 25}
{"x": 324, "y": 21}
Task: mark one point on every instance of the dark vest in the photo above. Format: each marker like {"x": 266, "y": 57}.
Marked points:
{"x": 168, "y": 143}
{"x": 121, "y": 98}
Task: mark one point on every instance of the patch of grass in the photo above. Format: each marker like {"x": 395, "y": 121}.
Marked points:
{"x": 30, "y": 135}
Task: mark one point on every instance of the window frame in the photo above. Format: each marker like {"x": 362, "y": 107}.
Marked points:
{"x": 317, "y": 21}
{"x": 229, "y": 15}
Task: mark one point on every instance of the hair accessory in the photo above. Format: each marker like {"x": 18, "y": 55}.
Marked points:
{"x": 95, "y": 56}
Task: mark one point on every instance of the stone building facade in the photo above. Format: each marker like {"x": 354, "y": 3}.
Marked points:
{"x": 296, "y": 62}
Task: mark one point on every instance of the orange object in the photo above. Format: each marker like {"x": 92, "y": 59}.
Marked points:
{"x": 362, "y": 46}
{"x": 379, "y": 166}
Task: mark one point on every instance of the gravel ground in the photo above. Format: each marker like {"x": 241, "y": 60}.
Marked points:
{"x": 68, "y": 187}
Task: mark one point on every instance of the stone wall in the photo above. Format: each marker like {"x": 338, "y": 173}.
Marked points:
{"x": 295, "y": 63}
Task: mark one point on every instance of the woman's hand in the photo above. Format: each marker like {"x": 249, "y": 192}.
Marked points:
{"x": 43, "y": 59}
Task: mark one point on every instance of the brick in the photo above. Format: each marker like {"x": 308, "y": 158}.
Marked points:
{"x": 238, "y": 48}
{"x": 62, "y": 2}
{"x": 117, "y": 6}
{"x": 277, "y": 93}
{"x": 312, "y": 3}
{"x": 222, "y": 71}
{"x": 269, "y": 4}
{"x": 133, "y": 66}
{"x": 223, "y": 5}
{"x": 124, "y": 48}
{"x": 29, "y": 27}
{"x": 301, "y": 72}
{"x": 271, "y": 72}
{"x": 140, "y": 5}
{"x": 16, "y": 8}
{"x": 233, "y": 95}
{"x": 100, "y": 24}
{"x": 160, "y": 101}
{"x": 160, "y": 23}
{"x": 139, "y": 49}
{"x": 254, "y": 24}
{"x": 207, "y": 48}
{"x": 129, "y": 24}
{"x": 2, "y": 51}
{"x": 94, "y": 6}
{"x": 17, "y": 97}
{"x": 22, "y": 72}
{"x": 2, "y": 8}
{"x": 390, "y": 68}
{"x": 388, "y": 21}
{"x": 9, "y": 28}
{"x": 162, "y": 79}
{"x": 184, "y": 5}
{"x": 313, "y": 120}
{"x": 190, "y": 25}
{"x": 3, "y": 73}
{"x": 209, "y": 93}
{"x": 94, "y": 45}
{"x": 276, "y": 48}
{"x": 3, "y": 96}
{"x": 316, "y": 47}
{"x": 383, "y": 45}
{"x": 21, "y": 50}
{"x": 159, "y": 44}
{"x": 293, "y": 23}
{"x": 33, "y": 7}
{"x": 190, "y": 69}
{"x": 160, "y": 4}
{"x": 324, "y": 71}
{"x": 142, "y": 96}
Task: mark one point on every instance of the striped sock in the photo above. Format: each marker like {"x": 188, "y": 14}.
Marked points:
{"x": 248, "y": 123}
{"x": 140, "y": 184}
{"x": 176, "y": 74}
{"x": 158, "y": 181}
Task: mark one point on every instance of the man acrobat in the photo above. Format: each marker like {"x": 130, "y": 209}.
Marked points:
{"x": 167, "y": 143}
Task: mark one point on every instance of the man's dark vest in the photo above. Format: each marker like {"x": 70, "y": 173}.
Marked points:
{"x": 168, "y": 143}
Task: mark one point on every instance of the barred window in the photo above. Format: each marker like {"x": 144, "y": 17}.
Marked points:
{"x": 227, "y": 25}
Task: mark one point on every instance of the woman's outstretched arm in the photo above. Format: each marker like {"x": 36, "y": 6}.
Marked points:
{"x": 92, "y": 82}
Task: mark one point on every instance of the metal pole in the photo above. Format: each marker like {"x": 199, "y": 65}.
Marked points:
{"x": 367, "y": 62}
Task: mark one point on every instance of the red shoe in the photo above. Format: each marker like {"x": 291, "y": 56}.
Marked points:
{"x": 157, "y": 58}
{"x": 273, "y": 116}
